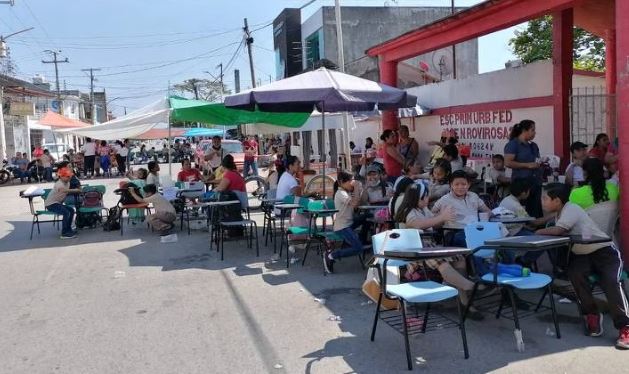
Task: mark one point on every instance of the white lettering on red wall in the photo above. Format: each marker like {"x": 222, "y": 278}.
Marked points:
{"x": 486, "y": 132}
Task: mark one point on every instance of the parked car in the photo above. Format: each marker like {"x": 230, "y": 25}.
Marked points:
{"x": 232, "y": 147}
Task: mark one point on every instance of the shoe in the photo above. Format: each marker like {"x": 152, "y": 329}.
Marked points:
{"x": 68, "y": 236}
{"x": 594, "y": 325}
{"x": 328, "y": 262}
{"x": 623, "y": 338}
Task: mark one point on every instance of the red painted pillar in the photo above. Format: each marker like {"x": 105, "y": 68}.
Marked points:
{"x": 622, "y": 115}
{"x": 388, "y": 76}
{"x": 610, "y": 80}
{"x": 562, "y": 81}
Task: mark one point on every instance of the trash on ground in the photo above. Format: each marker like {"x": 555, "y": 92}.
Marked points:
{"x": 119, "y": 274}
{"x": 334, "y": 318}
{"x": 278, "y": 366}
{"x": 549, "y": 332}
{"x": 320, "y": 301}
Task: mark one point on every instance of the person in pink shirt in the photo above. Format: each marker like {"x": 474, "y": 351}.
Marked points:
{"x": 251, "y": 154}
{"x": 103, "y": 151}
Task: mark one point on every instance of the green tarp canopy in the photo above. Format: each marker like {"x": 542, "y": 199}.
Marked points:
{"x": 217, "y": 114}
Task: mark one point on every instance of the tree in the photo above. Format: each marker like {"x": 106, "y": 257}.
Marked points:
{"x": 203, "y": 89}
{"x": 7, "y": 65}
{"x": 535, "y": 42}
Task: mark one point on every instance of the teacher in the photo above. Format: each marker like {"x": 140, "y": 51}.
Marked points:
{"x": 522, "y": 156}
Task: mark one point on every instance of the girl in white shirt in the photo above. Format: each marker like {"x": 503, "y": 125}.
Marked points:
{"x": 414, "y": 214}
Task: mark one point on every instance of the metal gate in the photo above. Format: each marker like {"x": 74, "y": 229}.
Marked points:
{"x": 592, "y": 111}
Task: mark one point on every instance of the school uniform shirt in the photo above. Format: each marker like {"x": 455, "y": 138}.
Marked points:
{"x": 438, "y": 190}
{"x": 284, "y": 187}
{"x": 577, "y": 173}
{"x": 160, "y": 204}
{"x": 374, "y": 194}
{"x": 465, "y": 207}
{"x": 574, "y": 219}
{"x": 123, "y": 151}
{"x": 57, "y": 194}
{"x": 152, "y": 179}
{"x": 416, "y": 215}
{"x": 456, "y": 164}
{"x": 345, "y": 216}
{"x": 584, "y": 197}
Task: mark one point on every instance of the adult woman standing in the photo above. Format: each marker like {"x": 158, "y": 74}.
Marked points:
{"x": 522, "y": 156}
{"x": 408, "y": 146}
{"x": 393, "y": 159}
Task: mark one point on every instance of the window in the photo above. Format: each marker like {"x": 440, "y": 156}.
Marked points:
{"x": 312, "y": 47}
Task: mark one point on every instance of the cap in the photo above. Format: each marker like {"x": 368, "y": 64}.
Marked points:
{"x": 577, "y": 145}
{"x": 65, "y": 172}
{"x": 373, "y": 168}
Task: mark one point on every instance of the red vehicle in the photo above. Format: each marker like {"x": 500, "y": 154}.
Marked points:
{"x": 231, "y": 147}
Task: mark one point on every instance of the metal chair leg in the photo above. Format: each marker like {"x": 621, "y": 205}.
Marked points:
{"x": 406, "y": 342}
{"x": 32, "y": 228}
{"x": 121, "y": 221}
{"x": 306, "y": 253}
{"x": 377, "y": 316}
{"x": 255, "y": 226}
{"x": 466, "y": 352}
{"x": 500, "y": 306}
{"x": 553, "y": 310}
{"x": 425, "y": 320}
{"x": 221, "y": 241}
{"x": 516, "y": 321}
{"x": 541, "y": 299}
{"x": 470, "y": 301}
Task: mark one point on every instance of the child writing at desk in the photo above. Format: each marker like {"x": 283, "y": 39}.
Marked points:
{"x": 603, "y": 259}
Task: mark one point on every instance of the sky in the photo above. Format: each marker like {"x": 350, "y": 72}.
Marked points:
{"x": 143, "y": 45}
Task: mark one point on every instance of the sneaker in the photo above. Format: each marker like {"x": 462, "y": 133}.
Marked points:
{"x": 594, "y": 325}
{"x": 328, "y": 262}
{"x": 68, "y": 236}
{"x": 623, "y": 338}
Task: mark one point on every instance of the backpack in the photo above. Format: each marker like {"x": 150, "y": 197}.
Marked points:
{"x": 113, "y": 220}
{"x": 125, "y": 196}
{"x": 91, "y": 219}
{"x": 229, "y": 213}
{"x": 92, "y": 199}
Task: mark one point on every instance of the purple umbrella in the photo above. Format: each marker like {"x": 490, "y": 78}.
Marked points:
{"x": 324, "y": 90}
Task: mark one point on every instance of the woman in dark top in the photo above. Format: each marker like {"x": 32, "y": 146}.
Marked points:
{"x": 522, "y": 156}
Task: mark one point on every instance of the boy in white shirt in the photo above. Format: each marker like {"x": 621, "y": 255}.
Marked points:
{"x": 602, "y": 258}
{"x": 574, "y": 171}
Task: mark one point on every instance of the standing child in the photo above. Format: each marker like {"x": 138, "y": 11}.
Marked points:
{"x": 602, "y": 258}
{"x": 46, "y": 162}
{"x": 153, "y": 176}
{"x": 54, "y": 202}
{"x": 103, "y": 151}
{"x": 165, "y": 214}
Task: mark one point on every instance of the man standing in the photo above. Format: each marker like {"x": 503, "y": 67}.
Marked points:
{"x": 214, "y": 155}
{"x": 251, "y": 154}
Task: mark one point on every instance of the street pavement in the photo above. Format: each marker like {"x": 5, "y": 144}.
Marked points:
{"x": 105, "y": 303}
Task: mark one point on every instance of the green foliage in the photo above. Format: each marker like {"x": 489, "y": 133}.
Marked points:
{"x": 535, "y": 42}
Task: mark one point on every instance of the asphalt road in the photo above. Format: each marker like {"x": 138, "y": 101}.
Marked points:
{"x": 105, "y": 303}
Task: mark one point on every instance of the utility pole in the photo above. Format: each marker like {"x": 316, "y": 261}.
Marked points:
{"x": 341, "y": 64}
{"x": 453, "y": 47}
{"x": 220, "y": 77}
{"x": 92, "y": 70}
{"x": 249, "y": 41}
{"x": 56, "y": 61}
{"x": 237, "y": 80}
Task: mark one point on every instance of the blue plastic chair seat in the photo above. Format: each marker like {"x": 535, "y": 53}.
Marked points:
{"x": 422, "y": 292}
{"x": 532, "y": 282}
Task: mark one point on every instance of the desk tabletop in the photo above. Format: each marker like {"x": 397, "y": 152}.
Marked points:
{"x": 219, "y": 203}
{"x": 287, "y": 206}
{"x": 508, "y": 220}
{"x": 321, "y": 211}
{"x": 425, "y": 253}
{"x": 530, "y": 241}
{"x": 372, "y": 207}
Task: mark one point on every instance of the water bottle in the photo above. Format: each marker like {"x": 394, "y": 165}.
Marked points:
{"x": 513, "y": 270}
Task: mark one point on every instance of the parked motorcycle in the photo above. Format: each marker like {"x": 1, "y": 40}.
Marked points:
{"x": 6, "y": 173}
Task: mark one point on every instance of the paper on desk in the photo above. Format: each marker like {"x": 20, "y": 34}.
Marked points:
{"x": 503, "y": 212}
{"x": 33, "y": 190}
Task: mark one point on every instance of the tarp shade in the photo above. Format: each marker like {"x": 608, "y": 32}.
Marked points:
{"x": 204, "y": 112}
{"x": 159, "y": 134}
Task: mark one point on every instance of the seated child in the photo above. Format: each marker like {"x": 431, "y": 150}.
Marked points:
{"x": 376, "y": 190}
{"x": 414, "y": 213}
{"x": 54, "y": 201}
{"x": 347, "y": 193}
{"x": 466, "y": 205}
{"x": 164, "y": 216}
{"x": 440, "y": 180}
{"x": 602, "y": 258}
{"x": 498, "y": 174}
{"x": 137, "y": 177}
{"x": 520, "y": 191}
